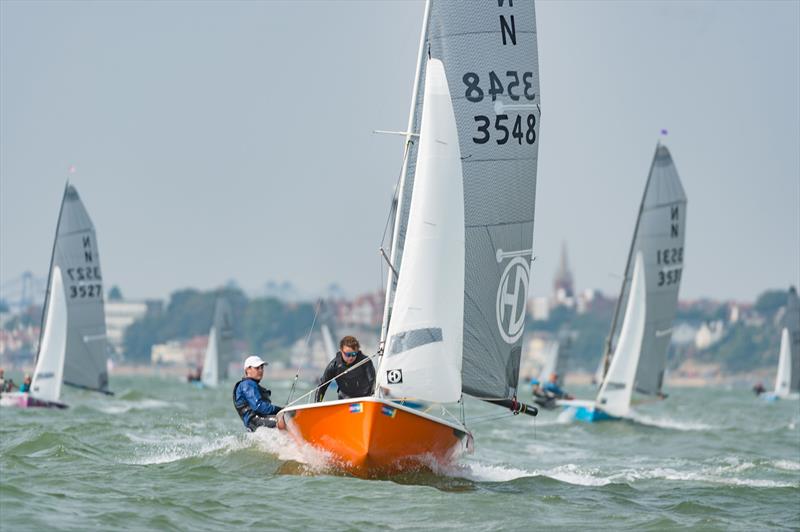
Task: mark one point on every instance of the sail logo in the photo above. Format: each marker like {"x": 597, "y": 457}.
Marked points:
{"x": 512, "y": 293}
{"x": 394, "y": 376}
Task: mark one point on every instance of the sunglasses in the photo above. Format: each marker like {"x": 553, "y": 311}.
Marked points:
{"x": 350, "y": 353}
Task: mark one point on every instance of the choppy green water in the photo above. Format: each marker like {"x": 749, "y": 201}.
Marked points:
{"x": 164, "y": 455}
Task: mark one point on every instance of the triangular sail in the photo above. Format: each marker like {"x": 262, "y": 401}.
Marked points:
{"x": 75, "y": 254}
{"x": 327, "y": 340}
{"x": 422, "y": 359}
{"x": 219, "y": 351}
{"x": 210, "y": 376}
{"x": 791, "y": 322}
{"x": 551, "y": 362}
{"x": 48, "y": 375}
{"x": 784, "y": 366}
{"x": 615, "y": 393}
{"x": 659, "y": 236}
{"x": 489, "y": 53}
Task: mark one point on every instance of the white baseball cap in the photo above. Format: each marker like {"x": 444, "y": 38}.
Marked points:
{"x": 253, "y": 361}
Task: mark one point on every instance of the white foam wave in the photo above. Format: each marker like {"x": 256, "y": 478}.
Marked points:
{"x": 582, "y": 476}
{"x": 667, "y": 423}
{"x": 122, "y": 407}
{"x": 483, "y": 472}
{"x": 711, "y": 476}
{"x": 787, "y": 465}
{"x": 191, "y": 447}
{"x": 282, "y": 445}
{"x": 572, "y": 474}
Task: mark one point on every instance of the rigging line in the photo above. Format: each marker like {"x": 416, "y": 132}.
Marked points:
{"x": 395, "y": 196}
{"x": 308, "y": 340}
{"x": 494, "y": 418}
{"x": 354, "y": 366}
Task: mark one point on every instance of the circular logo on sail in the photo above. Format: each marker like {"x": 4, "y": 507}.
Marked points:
{"x": 394, "y": 376}
{"x": 511, "y": 297}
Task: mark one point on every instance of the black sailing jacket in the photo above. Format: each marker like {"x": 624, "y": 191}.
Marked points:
{"x": 359, "y": 382}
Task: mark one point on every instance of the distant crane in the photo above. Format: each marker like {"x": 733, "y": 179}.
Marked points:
{"x": 22, "y": 292}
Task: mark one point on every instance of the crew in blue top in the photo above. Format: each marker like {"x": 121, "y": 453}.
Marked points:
{"x": 251, "y": 400}
{"x": 26, "y": 384}
{"x": 553, "y": 389}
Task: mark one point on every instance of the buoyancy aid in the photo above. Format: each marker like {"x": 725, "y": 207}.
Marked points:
{"x": 244, "y": 409}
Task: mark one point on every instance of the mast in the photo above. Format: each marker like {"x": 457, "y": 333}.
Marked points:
{"x": 50, "y": 273}
{"x": 390, "y": 281}
{"x": 626, "y": 277}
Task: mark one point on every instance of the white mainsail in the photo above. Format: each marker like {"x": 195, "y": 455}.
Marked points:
{"x": 423, "y": 355}
{"x": 220, "y": 345}
{"x": 784, "y": 377}
{"x": 327, "y": 340}
{"x": 75, "y": 255}
{"x": 210, "y": 376}
{"x": 49, "y": 372}
{"x": 615, "y": 393}
{"x": 550, "y": 365}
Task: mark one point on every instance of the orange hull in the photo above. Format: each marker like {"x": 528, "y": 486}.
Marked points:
{"x": 372, "y": 437}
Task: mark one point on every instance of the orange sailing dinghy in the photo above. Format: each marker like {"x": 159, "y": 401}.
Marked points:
{"x": 461, "y": 248}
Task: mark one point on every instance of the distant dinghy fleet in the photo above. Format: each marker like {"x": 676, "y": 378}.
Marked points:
{"x": 459, "y": 270}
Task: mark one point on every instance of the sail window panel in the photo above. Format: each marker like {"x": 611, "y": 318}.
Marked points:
{"x": 408, "y": 340}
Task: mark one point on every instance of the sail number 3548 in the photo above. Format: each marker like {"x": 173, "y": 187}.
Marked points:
{"x": 504, "y": 128}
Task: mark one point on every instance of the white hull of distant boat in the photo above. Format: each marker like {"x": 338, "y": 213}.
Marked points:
{"x": 26, "y": 400}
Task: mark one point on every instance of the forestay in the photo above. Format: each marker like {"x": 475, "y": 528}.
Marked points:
{"x": 489, "y": 53}
{"x": 48, "y": 375}
{"x": 659, "y": 236}
{"x": 422, "y": 359}
{"x": 75, "y": 255}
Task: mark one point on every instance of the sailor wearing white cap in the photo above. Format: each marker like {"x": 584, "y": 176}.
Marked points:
{"x": 251, "y": 400}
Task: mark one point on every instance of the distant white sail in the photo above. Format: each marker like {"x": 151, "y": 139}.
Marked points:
{"x": 49, "y": 372}
{"x": 783, "y": 380}
{"x": 423, "y": 355}
{"x": 210, "y": 376}
{"x": 219, "y": 351}
{"x": 327, "y": 340}
{"x": 551, "y": 362}
{"x": 75, "y": 254}
{"x": 615, "y": 392}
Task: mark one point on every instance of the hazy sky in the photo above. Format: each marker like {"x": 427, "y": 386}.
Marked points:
{"x": 219, "y": 140}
